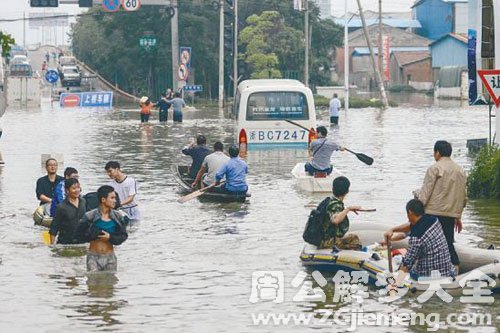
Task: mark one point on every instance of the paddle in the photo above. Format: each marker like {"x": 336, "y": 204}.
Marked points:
{"x": 389, "y": 254}
{"x": 362, "y": 157}
{"x": 197, "y": 193}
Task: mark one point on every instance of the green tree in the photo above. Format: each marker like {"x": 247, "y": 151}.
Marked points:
{"x": 6, "y": 41}
{"x": 269, "y": 45}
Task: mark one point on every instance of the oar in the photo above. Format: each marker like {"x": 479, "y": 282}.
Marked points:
{"x": 362, "y": 157}
{"x": 196, "y": 194}
{"x": 389, "y": 254}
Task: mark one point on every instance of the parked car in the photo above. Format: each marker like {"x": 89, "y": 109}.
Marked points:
{"x": 19, "y": 59}
{"x": 21, "y": 70}
{"x": 70, "y": 76}
{"x": 67, "y": 61}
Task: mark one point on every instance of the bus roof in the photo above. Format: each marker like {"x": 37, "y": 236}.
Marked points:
{"x": 269, "y": 82}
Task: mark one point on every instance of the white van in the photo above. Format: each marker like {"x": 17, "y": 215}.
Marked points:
{"x": 261, "y": 108}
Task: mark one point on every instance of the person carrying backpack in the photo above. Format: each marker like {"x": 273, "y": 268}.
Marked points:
{"x": 328, "y": 225}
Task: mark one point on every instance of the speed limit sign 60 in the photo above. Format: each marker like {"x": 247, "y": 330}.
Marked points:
{"x": 131, "y": 5}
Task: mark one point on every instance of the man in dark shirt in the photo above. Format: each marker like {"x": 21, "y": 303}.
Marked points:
{"x": 68, "y": 214}
{"x": 46, "y": 185}
{"x": 198, "y": 152}
{"x": 163, "y": 104}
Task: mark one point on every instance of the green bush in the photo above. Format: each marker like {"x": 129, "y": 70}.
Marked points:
{"x": 401, "y": 88}
{"x": 484, "y": 178}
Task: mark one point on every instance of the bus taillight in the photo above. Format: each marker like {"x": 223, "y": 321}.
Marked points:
{"x": 310, "y": 139}
{"x": 242, "y": 141}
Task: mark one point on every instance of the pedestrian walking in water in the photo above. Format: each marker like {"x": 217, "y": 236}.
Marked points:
{"x": 444, "y": 194}
{"x": 163, "y": 104}
{"x": 334, "y": 110}
{"x": 178, "y": 103}
{"x": 103, "y": 227}
{"x": 1, "y": 158}
{"x": 126, "y": 188}
{"x": 146, "y": 107}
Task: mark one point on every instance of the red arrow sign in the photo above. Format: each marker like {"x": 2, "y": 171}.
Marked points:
{"x": 491, "y": 81}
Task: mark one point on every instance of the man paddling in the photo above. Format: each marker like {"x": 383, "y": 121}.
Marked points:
{"x": 211, "y": 164}
{"x": 322, "y": 149}
{"x": 234, "y": 171}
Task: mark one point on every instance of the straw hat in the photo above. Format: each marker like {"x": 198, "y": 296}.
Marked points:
{"x": 144, "y": 99}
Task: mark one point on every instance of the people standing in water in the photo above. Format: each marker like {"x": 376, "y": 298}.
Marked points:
{"x": 211, "y": 164}
{"x": 322, "y": 149}
{"x": 334, "y": 110}
{"x": 1, "y": 158}
{"x": 103, "y": 228}
{"x": 163, "y": 104}
{"x": 126, "y": 188}
{"x": 46, "y": 185}
{"x": 198, "y": 152}
{"x": 444, "y": 194}
{"x": 146, "y": 106}
{"x": 178, "y": 103}
{"x": 234, "y": 171}
{"x": 68, "y": 214}
{"x": 60, "y": 192}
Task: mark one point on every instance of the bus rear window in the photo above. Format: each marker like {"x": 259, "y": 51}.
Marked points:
{"x": 277, "y": 106}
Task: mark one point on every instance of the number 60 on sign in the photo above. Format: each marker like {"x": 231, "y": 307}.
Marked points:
{"x": 131, "y": 5}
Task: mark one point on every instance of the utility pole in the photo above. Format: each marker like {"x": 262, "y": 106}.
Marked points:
{"x": 221, "y": 55}
{"x": 346, "y": 59}
{"x": 306, "y": 33}
{"x": 380, "y": 30}
{"x": 378, "y": 77}
{"x": 174, "y": 22}
{"x": 24, "y": 30}
{"x": 235, "y": 48}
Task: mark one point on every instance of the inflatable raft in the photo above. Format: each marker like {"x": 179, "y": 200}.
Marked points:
{"x": 320, "y": 182}
{"x": 475, "y": 264}
{"x": 41, "y": 216}
{"x": 181, "y": 175}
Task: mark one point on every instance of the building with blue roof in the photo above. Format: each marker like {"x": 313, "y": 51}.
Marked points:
{"x": 441, "y": 17}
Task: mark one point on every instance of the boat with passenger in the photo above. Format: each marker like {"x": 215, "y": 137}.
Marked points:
{"x": 476, "y": 264}
{"x": 320, "y": 182}
{"x": 181, "y": 175}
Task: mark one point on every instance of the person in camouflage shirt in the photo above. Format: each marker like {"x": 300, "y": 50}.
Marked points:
{"x": 336, "y": 223}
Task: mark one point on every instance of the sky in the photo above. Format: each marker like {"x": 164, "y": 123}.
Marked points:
{"x": 14, "y": 9}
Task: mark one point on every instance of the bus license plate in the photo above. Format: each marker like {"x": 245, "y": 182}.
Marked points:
{"x": 274, "y": 136}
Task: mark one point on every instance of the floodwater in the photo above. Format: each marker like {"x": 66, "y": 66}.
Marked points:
{"x": 189, "y": 267}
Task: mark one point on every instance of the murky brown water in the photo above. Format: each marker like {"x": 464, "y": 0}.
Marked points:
{"x": 189, "y": 267}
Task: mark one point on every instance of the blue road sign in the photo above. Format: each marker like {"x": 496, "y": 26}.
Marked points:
{"x": 193, "y": 88}
{"x": 111, "y": 5}
{"x": 52, "y": 76}
{"x": 102, "y": 99}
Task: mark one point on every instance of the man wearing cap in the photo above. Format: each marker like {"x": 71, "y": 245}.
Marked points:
{"x": 198, "y": 152}
{"x": 322, "y": 149}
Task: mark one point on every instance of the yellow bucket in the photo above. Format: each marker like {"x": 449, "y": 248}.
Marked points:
{"x": 46, "y": 237}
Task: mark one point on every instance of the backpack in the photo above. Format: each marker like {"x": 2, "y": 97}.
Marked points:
{"x": 313, "y": 232}
{"x": 91, "y": 201}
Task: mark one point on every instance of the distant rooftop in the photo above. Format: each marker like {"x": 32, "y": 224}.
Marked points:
{"x": 405, "y": 58}
{"x": 365, "y": 50}
{"x": 419, "y": 2}
{"x": 396, "y": 23}
{"x": 459, "y": 37}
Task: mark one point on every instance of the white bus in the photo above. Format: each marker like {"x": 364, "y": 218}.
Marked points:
{"x": 261, "y": 108}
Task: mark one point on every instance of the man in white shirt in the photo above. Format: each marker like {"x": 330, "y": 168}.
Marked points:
{"x": 334, "y": 109}
{"x": 126, "y": 188}
{"x": 211, "y": 164}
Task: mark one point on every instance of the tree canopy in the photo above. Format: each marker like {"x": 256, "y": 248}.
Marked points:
{"x": 6, "y": 41}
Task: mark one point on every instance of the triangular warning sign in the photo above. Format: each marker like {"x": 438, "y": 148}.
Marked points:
{"x": 491, "y": 81}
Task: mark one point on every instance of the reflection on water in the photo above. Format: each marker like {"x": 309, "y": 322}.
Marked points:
{"x": 188, "y": 267}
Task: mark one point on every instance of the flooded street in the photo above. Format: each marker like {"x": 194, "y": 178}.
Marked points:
{"x": 189, "y": 267}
